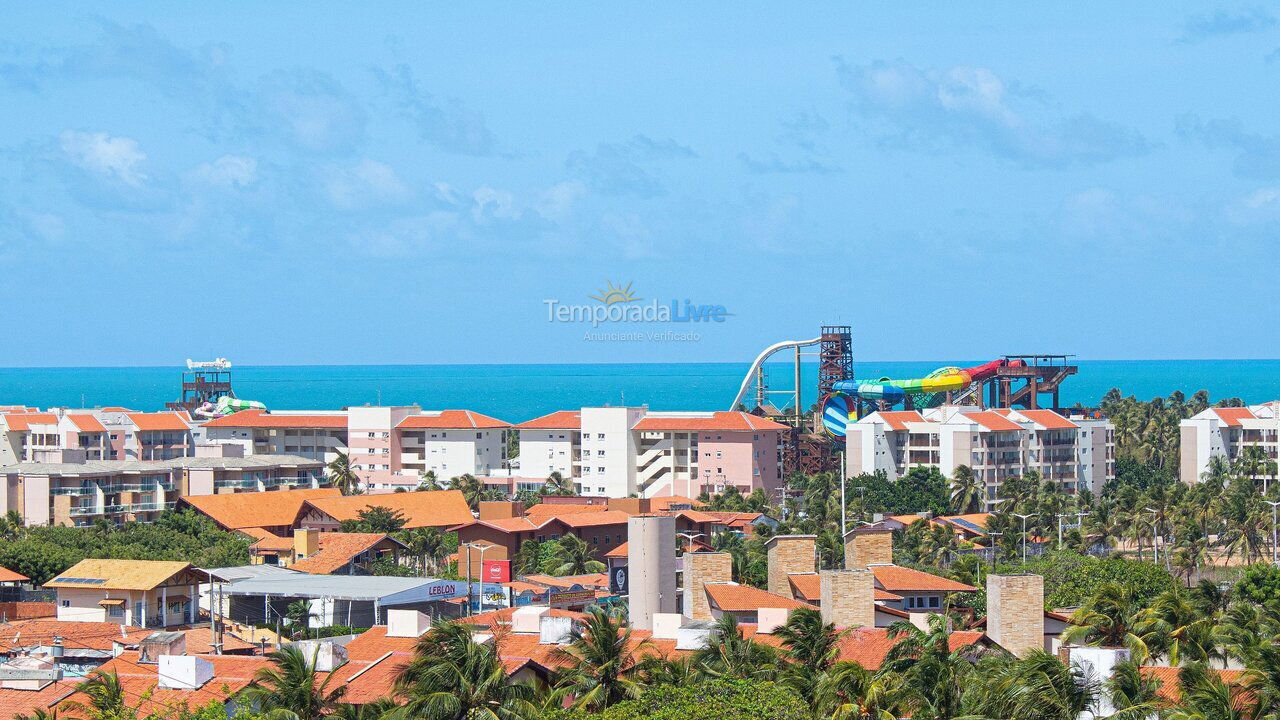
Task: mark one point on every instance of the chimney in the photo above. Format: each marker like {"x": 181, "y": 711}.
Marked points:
{"x": 790, "y": 554}
{"x": 57, "y": 650}
{"x": 770, "y": 619}
{"x": 306, "y": 542}
{"x": 322, "y": 655}
{"x": 651, "y": 564}
{"x": 554, "y": 630}
{"x": 501, "y": 509}
{"x": 848, "y": 597}
{"x": 184, "y": 672}
{"x": 159, "y": 644}
{"x": 701, "y": 568}
{"x": 666, "y": 626}
{"x": 404, "y": 623}
{"x": 868, "y": 546}
{"x": 528, "y": 619}
{"x": 1015, "y": 612}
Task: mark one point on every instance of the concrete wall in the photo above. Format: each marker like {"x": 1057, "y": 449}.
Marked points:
{"x": 651, "y": 566}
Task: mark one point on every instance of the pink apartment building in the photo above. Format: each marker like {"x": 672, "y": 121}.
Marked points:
{"x": 618, "y": 451}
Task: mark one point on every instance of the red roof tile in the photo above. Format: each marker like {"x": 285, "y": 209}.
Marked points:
{"x": 86, "y": 423}
{"x": 22, "y": 422}
{"x": 336, "y": 550}
{"x": 724, "y": 421}
{"x": 730, "y": 597}
{"x": 1231, "y": 416}
{"x": 993, "y": 421}
{"x": 263, "y": 419}
{"x": 866, "y": 646}
{"x": 160, "y": 421}
{"x": 423, "y": 508}
{"x": 7, "y": 575}
{"x": 1170, "y": 688}
{"x": 1048, "y": 419}
{"x": 452, "y": 419}
{"x": 231, "y": 674}
{"x": 897, "y": 579}
{"x": 559, "y": 420}
{"x": 898, "y": 420}
{"x": 277, "y": 508}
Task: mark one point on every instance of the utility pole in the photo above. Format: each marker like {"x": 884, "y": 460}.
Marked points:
{"x": 844, "y": 524}
{"x": 1275, "y": 554}
{"x": 1155, "y": 535}
{"x": 995, "y": 538}
{"x": 689, "y": 537}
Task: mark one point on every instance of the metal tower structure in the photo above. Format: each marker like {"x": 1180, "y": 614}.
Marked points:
{"x": 204, "y": 382}
{"x": 835, "y": 357}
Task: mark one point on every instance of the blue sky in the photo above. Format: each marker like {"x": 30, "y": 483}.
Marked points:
{"x": 329, "y": 183}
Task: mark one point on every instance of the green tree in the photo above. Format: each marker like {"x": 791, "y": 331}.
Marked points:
{"x": 452, "y": 677}
{"x": 602, "y": 659}
{"x": 967, "y": 491}
{"x": 290, "y": 683}
{"x": 1109, "y": 619}
{"x": 812, "y": 647}
{"x": 574, "y": 557}
{"x": 104, "y": 698}
{"x": 375, "y": 519}
{"x": 342, "y": 475}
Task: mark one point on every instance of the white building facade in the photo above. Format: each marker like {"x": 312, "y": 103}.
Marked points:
{"x": 1225, "y": 433}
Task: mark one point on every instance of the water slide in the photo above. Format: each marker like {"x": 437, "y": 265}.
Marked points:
{"x": 227, "y": 405}
{"x": 841, "y": 406}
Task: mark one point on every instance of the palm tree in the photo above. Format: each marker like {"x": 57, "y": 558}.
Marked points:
{"x": 384, "y": 709}
{"x": 290, "y": 683}
{"x": 932, "y": 672}
{"x": 428, "y": 546}
{"x": 341, "y": 474}
{"x": 1037, "y": 686}
{"x": 557, "y": 484}
{"x": 299, "y": 615}
{"x": 813, "y": 647}
{"x": 575, "y": 557}
{"x": 1172, "y": 627}
{"x": 427, "y": 480}
{"x": 966, "y": 491}
{"x": 1206, "y": 697}
{"x": 472, "y": 489}
{"x": 1134, "y": 696}
{"x": 656, "y": 670}
{"x": 12, "y": 526}
{"x": 848, "y": 691}
{"x": 106, "y": 699}
{"x": 1108, "y": 619}
{"x": 730, "y": 654}
{"x": 603, "y": 662}
{"x": 452, "y": 677}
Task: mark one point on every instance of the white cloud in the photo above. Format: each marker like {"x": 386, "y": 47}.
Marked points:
{"x": 558, "y": 200}
{"x": 115, "y": 157}
{"x": 367, "y": 183}
{"x": 229, "y": 171}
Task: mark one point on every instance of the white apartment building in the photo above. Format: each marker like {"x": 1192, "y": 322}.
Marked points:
{"x": 1225, "y": 433}
{"x": 1075, "y": 452}
{"x": 621, "y": 451}
{"x": 387, "y": 446}
{"x": 101, "y": 433}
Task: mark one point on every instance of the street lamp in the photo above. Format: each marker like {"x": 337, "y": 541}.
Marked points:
{"x": 689, "y": 537}
{"x": 1155, "y": 533}
{"x": 481, "y": 548}
{"x": 995, "y": 537}
{"x": 1024, "y": 534}
{"x": 1275, "y": 560}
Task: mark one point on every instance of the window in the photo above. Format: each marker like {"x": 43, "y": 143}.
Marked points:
{"x": 599, "y": 436}
{"x": 66, "y": 603}
{"x": 599, "y": 469}
{"x": 595, "y": 539}
{"x": 933, "y": 601}
{"x": 477, "y": 436}
{"x": 113, "y": 611}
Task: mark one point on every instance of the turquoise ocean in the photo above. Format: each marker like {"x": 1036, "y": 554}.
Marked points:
{"x": 519, "y": 392}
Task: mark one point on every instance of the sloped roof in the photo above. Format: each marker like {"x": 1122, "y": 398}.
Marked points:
{"x": 16, "y": 703}
{"x": 451, "y": 420}
{"x": 898, "y": 419}
{"x": 731, "y": 597}
{"x": 993, "y": 421}
{"x": 23, "y": 421}
{"x": 118, "y": 574}
{"x": 86, "y": 423}
{"x": 558, "y": 420}
{"x": 423, "y": 508}
{"x": 266, "y": 540}
{"x": 231, "y": 674}
{"x": 88, "y": 635}
{"x": 275, "y": 508}
{"x": 897, "y": 579}
{"x": 336, "y": 550}
{"x": 808, "y": 586}
{"x": 7, "y": 575}
{"x": 1231, "y": 416}
{"x": 1048, "y": 419}
{"x": 254, "y": 418}
{"x": 867, "y": 646}
{"x": 158, "y": 421}
{"x": 726, "y": 421}
{"x": 1170, "y": 689}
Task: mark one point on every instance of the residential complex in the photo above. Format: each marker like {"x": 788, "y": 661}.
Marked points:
{"x": 624, "y": 451}
{"x": 1075, "y": 452}
{"x": 101, "y": 433}
{"x": 388, "y": 447}
{"x": 1225, "y": 432}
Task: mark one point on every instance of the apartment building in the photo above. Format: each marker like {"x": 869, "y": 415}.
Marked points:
{"x": 620, "y": 451}
{"x": 316, "y": 435}
{"x": 1075, "y": 452}
{"x": 64, "y": 487}
{"x": 23, "y": 434}
{"x": 1225, "y": 433}
{"x": 147, "y": 436}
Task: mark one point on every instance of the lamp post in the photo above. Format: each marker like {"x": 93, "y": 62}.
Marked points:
{"x": 995, "y": 538}
{"x": 1060, "y": 516}
{"x": 843, "y": 523}
{"x": 1155, "y": 534}
{"x": 1024, "y": 534}
{"x": 482, "y": 549}
{"x": 1275, "y": 558}
{"x": 689, "y": 537}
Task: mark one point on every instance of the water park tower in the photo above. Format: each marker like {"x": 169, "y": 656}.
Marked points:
{"x": 204, "y": 382}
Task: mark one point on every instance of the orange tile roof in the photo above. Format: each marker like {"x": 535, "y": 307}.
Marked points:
{"x": 993, "y": 421}
{"x": 1231, "y": 416}
{"x": 519, "y": 586}
{"x": 369, "y": 682}
{"x": 263, "y": 419}
{"x": 7, "y": 575}
{"x": 26, "y": 702}
{"x": 88, "y": 635}
{"x": 582, "y": 520}
{"x": 86, "y": 423}
{"x": 115, "y": 408}
{"x": 267, "y": 540}
{"x": 423, "y": 508}
{"x": 663, "y": 504}
{"x": 730, "y": 597}
{"x": 374, "y": 643}
{"x": 559, "y": 420}
{"x": 590, "y": 580}
{"x": 157, "y": 421}
{"x": 898, "y": 420}
{"x": 865, "y": 646}
{"x": 22, "y": 422}
{"x": 278, "y": 508}
{"x": 336, "y": 550}
{"x": 1170, "y": 688}
{"x": 897, "y": 579}
{"x": 618, "y": 552}
{"x": 231, "y": 674}
{"x": 501, "y": 619}
{"x": 545, "y": 510}
{"x": 452, "y": 419}
{"x": 808, "y": 586}
{"x": 726, "y": 421}
{"x": 1048, "y": 419}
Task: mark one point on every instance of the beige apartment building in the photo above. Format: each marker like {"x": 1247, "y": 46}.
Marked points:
{"x": 1225, "y": 433}
{"x": 1075, "y": 452}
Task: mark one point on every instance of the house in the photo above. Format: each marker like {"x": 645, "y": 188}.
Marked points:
{"x": 146, "y": 593}
{"x": 323, "y": 553}
{"x": 421, "y": 509}
{"x": 276, "y": 514}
